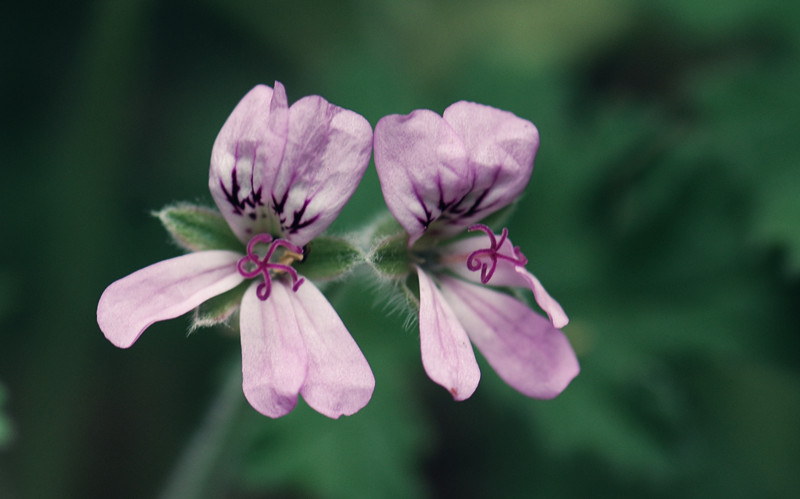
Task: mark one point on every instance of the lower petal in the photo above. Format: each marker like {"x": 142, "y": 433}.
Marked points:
{"x": 446, "y": 351}
{"x": 339, "y": 380}
{"x": 523, "y": 347}
{"x": 274, "y": 361}
{"x": 162, "y": 291}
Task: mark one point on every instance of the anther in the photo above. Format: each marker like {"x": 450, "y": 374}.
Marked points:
{"x": 477, "y": 260}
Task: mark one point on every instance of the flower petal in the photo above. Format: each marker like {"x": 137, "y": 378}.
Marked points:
{"x": 327, "y": 151}
{"x": 523, "y": 347}
{"x": 446, "y": 351}
{"x": 274, "y": 360}
{"x": 505, "y": 274}
{"x": 246, "y": 154}
{"x": 423, "y": 171}
{"x": 440, "y": 174}
{"x": 339, "y": 380}
{"x": 550, "y": 306}
{"x": 163, "y": 291}
{"x": 501, "y": 149}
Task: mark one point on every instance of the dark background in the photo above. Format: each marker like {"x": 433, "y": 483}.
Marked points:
{"x": 663, "y": 214}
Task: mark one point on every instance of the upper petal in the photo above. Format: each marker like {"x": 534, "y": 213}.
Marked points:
{"x": 246, "y": 154}
{"x": 339, "y": 380}
{"x": 327, "y": 151}
{"x": 446, "y": 351}
{"x": 163, "y": 291}
{"x": 506, "y": 273}
{"x": 274, "y": 360}
{"x": 501, "y": 149}
{"x": 439, "y": 174}
{"x": 523, "y": 347}
{"x": 422, "y": 166}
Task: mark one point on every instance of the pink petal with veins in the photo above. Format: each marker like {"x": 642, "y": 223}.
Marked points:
{"x": 162, "y": 291}
{"x": 446, "y": 350}
{"x": 525, "y": 350}
{"x": 440, "y": 174}
{"x": 339, "y": 380}
{"x": 274, "y": 359}
{"x": 245, "y": 159}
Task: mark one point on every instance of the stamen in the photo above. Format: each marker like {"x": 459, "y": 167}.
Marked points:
{"x": 252, "y": 265}
{"x": 478, "y": 259}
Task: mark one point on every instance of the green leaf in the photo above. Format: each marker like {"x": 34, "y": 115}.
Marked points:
{"x": 197, "y": 228}
{"x": 327, "y": 258}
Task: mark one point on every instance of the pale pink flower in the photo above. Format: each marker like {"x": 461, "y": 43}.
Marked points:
{"x": 280, "y": 175}
{"x": 440, "y": 175}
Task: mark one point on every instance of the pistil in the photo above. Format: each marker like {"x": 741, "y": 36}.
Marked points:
{"x": 252, "y": 265}
{"x": 485, "y": 260}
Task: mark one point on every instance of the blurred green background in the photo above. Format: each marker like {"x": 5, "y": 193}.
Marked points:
{"x": 663, "y": 213}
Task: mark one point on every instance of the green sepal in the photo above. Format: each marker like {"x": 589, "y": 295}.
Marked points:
{"x": 391, "y": 257}
{"x": 327, "y": 258}
{"x": 197, "y": 228}
{"x": 218, "y": 310}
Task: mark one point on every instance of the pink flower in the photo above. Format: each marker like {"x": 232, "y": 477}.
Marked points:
{"x": 440, "y": 175}
{"x": 280, "y": 175}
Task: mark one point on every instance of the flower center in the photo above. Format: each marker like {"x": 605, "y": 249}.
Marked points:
{"x": 486, "y": 259}
{"x": 253, "y": 264}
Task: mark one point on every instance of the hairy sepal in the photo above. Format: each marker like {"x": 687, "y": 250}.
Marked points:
{"x": 197, "y": 228}
{"x": 390, "y": 257}
{"x": 327, "y": 258}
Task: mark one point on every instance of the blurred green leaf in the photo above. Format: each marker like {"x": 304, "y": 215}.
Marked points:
{"x": 5, "y": 422}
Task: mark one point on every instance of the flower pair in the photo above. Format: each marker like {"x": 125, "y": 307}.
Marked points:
{"x": 279, "y": 176}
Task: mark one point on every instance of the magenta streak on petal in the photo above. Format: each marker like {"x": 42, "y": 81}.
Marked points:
{"x": 253, "y": 199}
{"x": 476, "y": 259}
{"x": 251, "y": 265}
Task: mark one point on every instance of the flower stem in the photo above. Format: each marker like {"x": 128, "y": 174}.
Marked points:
{"x": 191, "y": 476}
